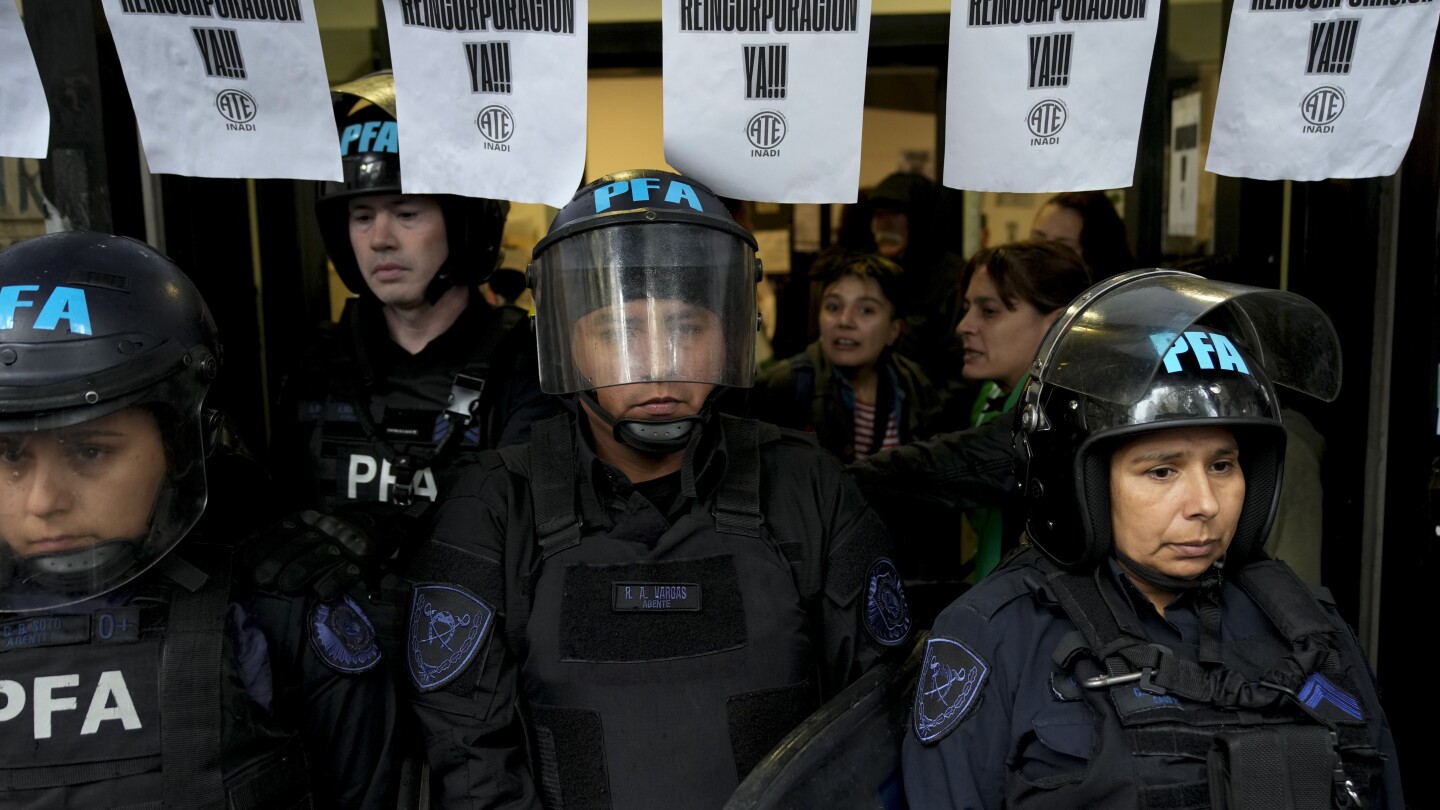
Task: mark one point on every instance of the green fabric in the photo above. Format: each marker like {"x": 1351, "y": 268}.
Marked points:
{"x": 987, "y": 522}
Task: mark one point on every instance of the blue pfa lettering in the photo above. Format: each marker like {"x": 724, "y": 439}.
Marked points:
{"x": 1208, "y": 349}
{"x": 639, "y": 191}
{"x": 371, "y": 136}
{"x": 62, "y": 303}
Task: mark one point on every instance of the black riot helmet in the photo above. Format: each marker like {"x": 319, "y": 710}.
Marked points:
{"x": 1155, "y": 349}
{"x": 106, "y": 352}
{"x": 370, "y": 158}
{"x": 645, "y": 277}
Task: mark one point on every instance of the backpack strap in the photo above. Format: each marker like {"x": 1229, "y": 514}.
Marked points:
{"x": 737, "y": 503}
{"x": 552, "y": 485}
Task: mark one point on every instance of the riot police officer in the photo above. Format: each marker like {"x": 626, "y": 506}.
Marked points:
{"x": 133, "y": 671}
{"x": 420, "y": 369}
{"x": 1143, "y": 652}
{"x": 660, "y": 591}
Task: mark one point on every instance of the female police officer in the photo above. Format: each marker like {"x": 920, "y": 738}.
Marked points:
{"x": 131, "y": 674}
{"x": 667, "y": 591}
{"x": 1144, "y": 653}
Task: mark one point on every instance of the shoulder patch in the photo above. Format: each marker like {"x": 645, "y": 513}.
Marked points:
{"x": 343, "y": 636}
{"x": 951, "y": 680}
{"x": 887, "y": 615}
{"x": 447, "y": 628}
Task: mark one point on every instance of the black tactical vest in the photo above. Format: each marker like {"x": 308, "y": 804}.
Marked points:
{"x": 137, "y": 704}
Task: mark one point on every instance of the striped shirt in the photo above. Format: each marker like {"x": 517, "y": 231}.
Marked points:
{"x": 865, "y": 429}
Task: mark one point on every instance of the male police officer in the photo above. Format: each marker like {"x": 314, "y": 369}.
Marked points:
{"x": 668, "y": 591}
{"x": 132, "y": 672}
{"x": 420, "y": 369}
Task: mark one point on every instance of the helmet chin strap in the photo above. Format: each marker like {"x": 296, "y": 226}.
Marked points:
{"x": 82, "y": 570}
{"x": 441, "y": 282}
{"x": 1210, "y": 578}
{"x": 657, "y": 438}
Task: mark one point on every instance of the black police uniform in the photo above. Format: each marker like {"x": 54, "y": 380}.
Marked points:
{"x": 998, "y": 722}
{"x": 359, "y": 403}
{"x": 178, "y": 691}
{"x": 657, "y": 639}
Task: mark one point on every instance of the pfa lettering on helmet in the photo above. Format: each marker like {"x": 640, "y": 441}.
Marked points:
{"x": 1207, "y": 351}
{"x": 370, "y": 136}
{"x": 51, "y": 308}
{"x": 639, "y": 190}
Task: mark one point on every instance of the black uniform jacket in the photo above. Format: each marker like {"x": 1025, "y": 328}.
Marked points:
{"x": 752, "y": 643}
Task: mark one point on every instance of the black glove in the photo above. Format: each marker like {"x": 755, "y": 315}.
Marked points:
{"x": 329, "y": 553}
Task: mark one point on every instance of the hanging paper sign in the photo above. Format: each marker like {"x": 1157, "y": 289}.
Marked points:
{"x": 227, "y": 88}
{"x": 24, "y": 115}
{"x": 1313, "y": 89}
{"x": 1046, "y": 95}
{"x": 764, "y": 99}
{"x": 491, "y": 97}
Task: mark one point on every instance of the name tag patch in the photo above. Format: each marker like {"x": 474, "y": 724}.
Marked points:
{"x": 113, "y": 625}
{"x": 653, "y": 596}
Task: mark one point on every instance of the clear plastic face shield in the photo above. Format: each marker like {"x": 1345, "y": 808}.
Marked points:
{"x": 645, "y": 302}
{"x": 1112, "y": 341}
{"x": 87, "y": 506}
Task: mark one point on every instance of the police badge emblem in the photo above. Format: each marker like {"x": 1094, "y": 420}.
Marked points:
{"x": 342, "y": 635}
{"x": 887, "y": 615}
{"x": 951, "y": 678}
{"x": 448, "y": 626}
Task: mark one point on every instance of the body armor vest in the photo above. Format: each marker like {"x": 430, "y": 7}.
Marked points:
{"x": 1176, "y": 735}
{"x": 661, "y": 661}
{"x": 135, "y": 704}
{"x": 371, "y": 438}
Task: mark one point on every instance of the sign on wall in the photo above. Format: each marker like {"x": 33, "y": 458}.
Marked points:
{"x": 1046, "y": 95}
{"x": 24, "y": 114}
{"x": 1313, "y": 89}
{"x": 227, "y": 88}
{"x": 491, "y": 97}
{"x": 764, "y": 101}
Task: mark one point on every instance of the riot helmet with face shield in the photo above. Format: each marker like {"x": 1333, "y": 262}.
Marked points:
{"x": 644, "y": 277}
{"x": 107, "y": 351}
{"x": 370, "y": 158}
{"x": 1155, "y": 349}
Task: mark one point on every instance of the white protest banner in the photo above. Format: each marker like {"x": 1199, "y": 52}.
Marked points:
{"x": 228, "y": 88}
{"x": 491, "y": 97}
{"x": 24, "y": 114}
{"x": 1312, "y": 89}
{"x": 1046, "y": 95}
{"x": 764, "y": 99}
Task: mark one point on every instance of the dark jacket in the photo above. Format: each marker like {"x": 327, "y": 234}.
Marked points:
{"x": 657, "y": 648}
{"x": 1000, "y": 717}
{"x": 357, "y": 402}
{"x": 807, "y": 393}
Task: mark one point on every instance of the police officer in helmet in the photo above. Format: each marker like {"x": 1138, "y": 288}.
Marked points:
{"x": 1143, "y": 651}
{"x": 420, "y": 370}
{"x": 134, "y": 671}
{"x": 660, "y": 591}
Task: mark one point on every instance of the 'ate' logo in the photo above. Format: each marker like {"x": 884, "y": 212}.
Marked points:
{"x": 1045, "y": 121}
{"x": 237, "y": 106}
{"x": 766, "y": 130}
{"x": 1321, "y": 107}
{"x": 496, "y": 125}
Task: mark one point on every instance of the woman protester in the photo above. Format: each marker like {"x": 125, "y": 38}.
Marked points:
{"x": 134, "y": 671}
{"x": 849, "y": 387}
{"x": 1013, "y": 293}
{"x": 1143, "y": 651}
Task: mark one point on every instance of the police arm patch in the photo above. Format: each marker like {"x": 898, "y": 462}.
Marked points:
{"x": 952, "y": 678}
{"x": 887, "y": 615}
{"x": 448, "y": 626}
{"x": 342, "y": 635}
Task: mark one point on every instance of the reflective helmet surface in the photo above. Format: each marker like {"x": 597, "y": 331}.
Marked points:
{"x": 370, "y": 158}
{"x": 644, "y": 276}
{"x": 1155, "y": 349}
{"x": 106, "y": 352}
